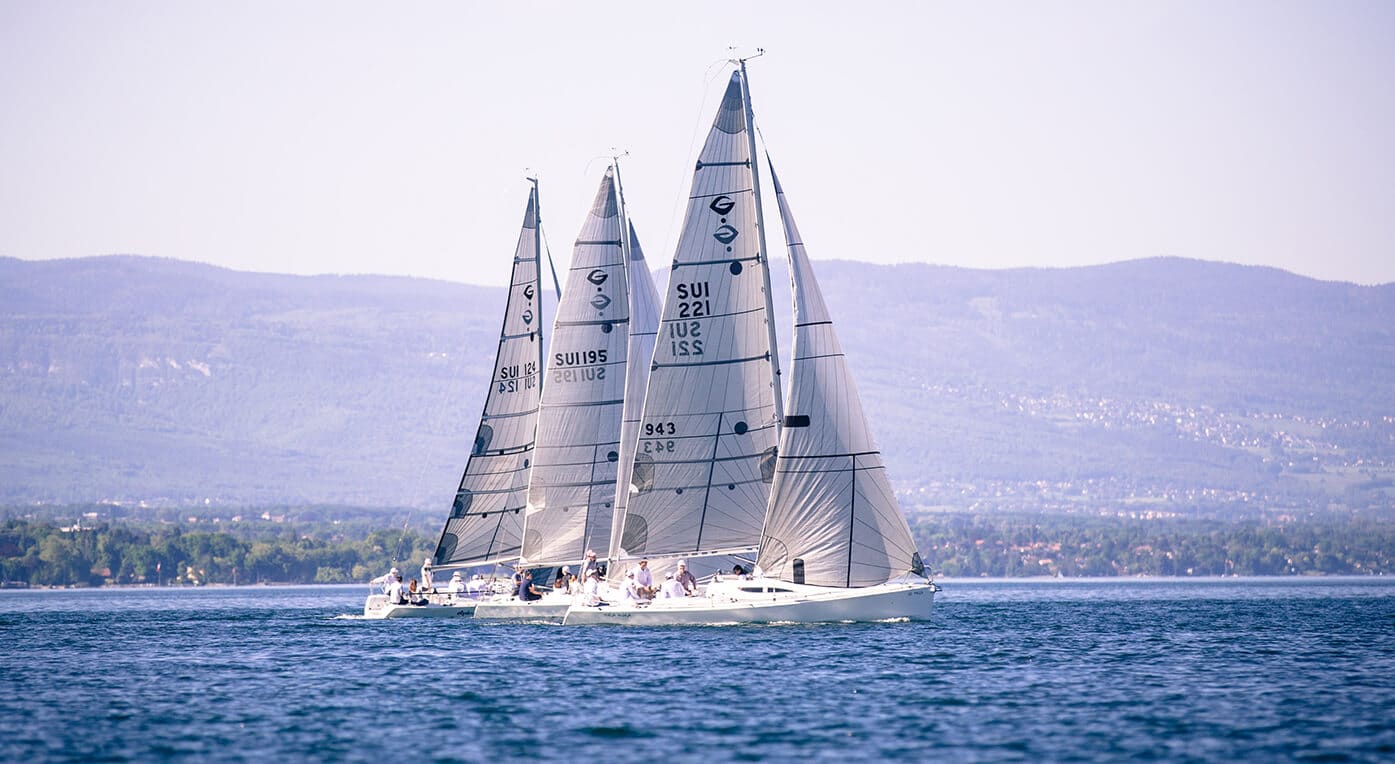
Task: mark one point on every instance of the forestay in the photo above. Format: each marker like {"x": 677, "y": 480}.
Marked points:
{"x": 486, "y": 519}
{"x": 707, "y": 439}
{"x": 571, "y": 492}
{"x": 833, "y": 518}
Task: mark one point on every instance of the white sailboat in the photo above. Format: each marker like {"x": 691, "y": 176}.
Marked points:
{"x": 834, "y": 545}
{"x": 606, "y": 318}
{"x": 486, "y": 519}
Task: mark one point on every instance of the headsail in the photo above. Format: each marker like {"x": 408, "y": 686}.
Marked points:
{"x": 571, "y": 493}
{"x": 834, "y": 520}
{"x": 707, "y": 439}
{"x": 486, "y": 519}
{"x": 644, "y": 326}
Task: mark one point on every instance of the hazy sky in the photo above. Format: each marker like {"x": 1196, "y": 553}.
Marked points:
{"x": 372, "y": 137}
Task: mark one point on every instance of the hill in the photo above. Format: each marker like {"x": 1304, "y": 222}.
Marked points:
{"x": 1162, "y": 385}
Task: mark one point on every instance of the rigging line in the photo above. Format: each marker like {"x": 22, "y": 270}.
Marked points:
{"x": 547, "y": 247}
{"x": 680, "y": 197}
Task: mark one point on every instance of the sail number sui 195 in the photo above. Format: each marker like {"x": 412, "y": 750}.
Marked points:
{"x": 565, "y": 366}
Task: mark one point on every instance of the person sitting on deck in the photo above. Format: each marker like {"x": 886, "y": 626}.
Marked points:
{"x": 591, "y": 590}
{"x": 457, "y": 583}
{"x": 686, "y": 579}
{"x": 672, "y": 589}
{"x": 644, "y": 580}
{"x": 394, "y": 590}
{"x": 526, "y": 591}
{"x": 629, "y": 590}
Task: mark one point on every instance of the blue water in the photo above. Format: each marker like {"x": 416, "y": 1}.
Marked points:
{"x": 1258, "y": 670}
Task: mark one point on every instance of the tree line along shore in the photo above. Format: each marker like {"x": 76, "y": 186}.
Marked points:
{"x": 44, "y": 552}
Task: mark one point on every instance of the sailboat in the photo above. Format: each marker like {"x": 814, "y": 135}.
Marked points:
{"x": 606, "y": 317}
{"x": 485, "y": 524}
{"x": 708, "y": 480}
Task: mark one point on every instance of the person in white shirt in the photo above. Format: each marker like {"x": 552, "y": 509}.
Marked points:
{"x": 672, "y": 589}
{"x": 426, "y": 583}
{"x": 591, "y": 592}
{"x": 629, "y": 590}
{"x": 385, "y": 581}
{"x": 457, "y": 583}
{"x": 394, "y": 590}
{"x": 644, "y": 580}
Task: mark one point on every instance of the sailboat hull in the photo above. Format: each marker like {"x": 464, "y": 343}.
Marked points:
{"x": 440, "y": 606}
{"x": 551, "y": 608}
{"x": 771, "y": 601}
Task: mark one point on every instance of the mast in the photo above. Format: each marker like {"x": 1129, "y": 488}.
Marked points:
{"x": 537, "y": 278}
{"x": 622, "y": 482}
{"x": 764, "y": 252}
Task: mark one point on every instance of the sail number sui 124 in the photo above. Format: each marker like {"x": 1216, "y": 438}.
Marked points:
{"x": 511, "y": 380}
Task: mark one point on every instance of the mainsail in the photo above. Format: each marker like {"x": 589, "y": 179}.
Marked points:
{"x": 486, "y": 519}
{"x": 833, "y": 518}
{"x": 571, "y": 492}
{"x": 707, "y": 440}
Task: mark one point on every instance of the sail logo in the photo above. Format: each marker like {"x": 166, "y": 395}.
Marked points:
{"x": 528, "y": 317}
{"x": 597, "y": 277}
{"x": 600, "y": 302}
{"x": 722, "y": 205}
{"x": 726, "y": 234}
{"x": 528, "y": 291}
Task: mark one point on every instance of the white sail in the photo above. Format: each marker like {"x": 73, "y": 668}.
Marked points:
{"x": 486, "y": 520}
{"x": 644, "y": 327}
{"x": 706, "y": 444}
{"x": 571, "y": 492}
{"x": 833, "y": 520}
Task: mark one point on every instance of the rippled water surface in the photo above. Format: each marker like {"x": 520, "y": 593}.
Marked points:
{"x": 1257, "y": 670}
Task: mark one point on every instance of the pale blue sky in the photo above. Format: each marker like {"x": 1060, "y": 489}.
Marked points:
{"x": 371, "y": 137}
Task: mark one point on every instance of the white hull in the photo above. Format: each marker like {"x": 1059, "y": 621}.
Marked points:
{"x": 771, "y": 601}
{"x": 441, "y": 606}
{"x": 508, "y": 608}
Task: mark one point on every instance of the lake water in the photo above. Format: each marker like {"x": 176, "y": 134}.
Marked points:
{"x": 1219, "y": 670}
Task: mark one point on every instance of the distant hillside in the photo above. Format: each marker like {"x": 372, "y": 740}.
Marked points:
{"x": 1153, "y": 385}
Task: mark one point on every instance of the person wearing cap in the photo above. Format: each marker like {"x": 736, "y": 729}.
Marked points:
{"x": 629, "y": 590}
{"x": 589, "y": 564}
{"x": 685, "y": 579}
{"x": 457, "y": 583}
{"x": 385, "y": 580}
{"x": 427, "y": 585}
{"x": 671, "y": 588}
{"x": 591, "y": 589}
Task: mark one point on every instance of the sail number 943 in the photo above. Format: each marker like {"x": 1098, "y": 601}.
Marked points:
{"x": 654, "y": 441}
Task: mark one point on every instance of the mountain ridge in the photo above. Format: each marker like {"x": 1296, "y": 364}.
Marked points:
{"x": 1162, "y": 381}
